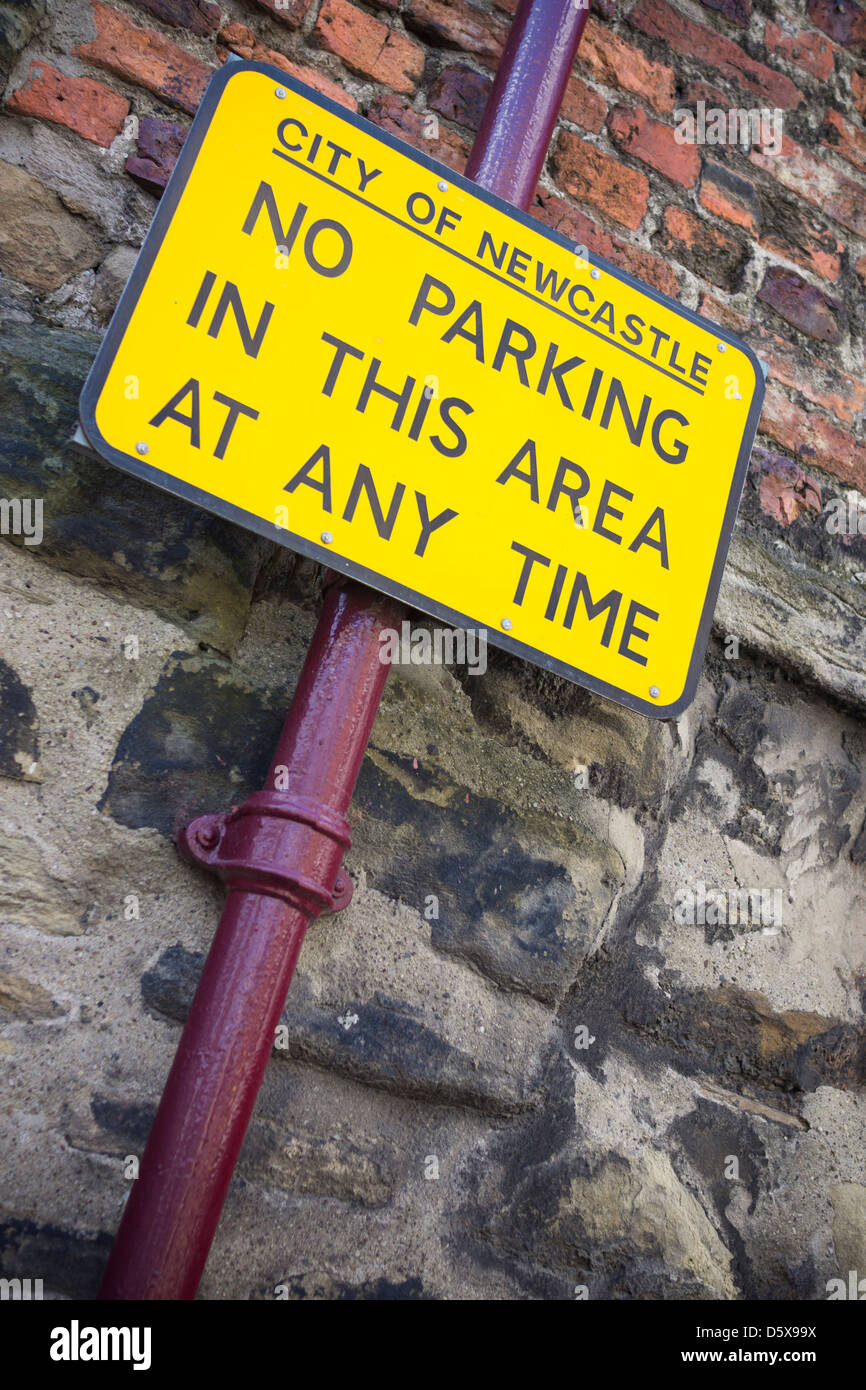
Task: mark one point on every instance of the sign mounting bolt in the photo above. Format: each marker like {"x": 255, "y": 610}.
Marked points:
{"x": 722, "y": 347}
{"x": 595, "y": 273}
{"x": 505, "y": 624}
{"x": 654, "y": 692}
{"x": 142, "y": 448}
{"x": 442, "y": 186}
{"x": 327, "y": 538}
{"x": 280, "y": 92}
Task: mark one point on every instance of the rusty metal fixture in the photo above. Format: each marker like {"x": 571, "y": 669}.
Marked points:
{"x": 280, "y": 856}
{"x": 247, "y": 855}
{"x": 280, "y": 853}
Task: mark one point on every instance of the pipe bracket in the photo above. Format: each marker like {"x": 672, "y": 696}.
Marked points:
{"x": 282, "y": 846}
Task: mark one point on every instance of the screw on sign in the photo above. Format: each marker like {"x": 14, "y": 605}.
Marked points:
{"x": 443, "y": 457}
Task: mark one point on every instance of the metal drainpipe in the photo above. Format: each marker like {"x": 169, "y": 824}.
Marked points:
{"x": 280, "y": 853}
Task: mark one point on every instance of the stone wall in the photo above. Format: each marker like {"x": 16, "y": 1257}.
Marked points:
{"x": 513, "y": 1068}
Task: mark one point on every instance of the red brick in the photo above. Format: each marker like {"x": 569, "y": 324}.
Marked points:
{"x": 813, "y": 178}
{"x": 453, "y": 22}
{"x": 820, "y": 382}
{"x": 846, "y": 139}
{"x": 737, "y": 11}
{"x": 660, "y": 20}
{"x": 242, "y": 41}
{"x": 460, "y": 94}
{"x": 368, "y": 46}
{"x": 724, "y": 314}
{"x": 291, "y": 13}
{"x": 858, "y": 88}
{"x": 599, "y": 179}
{"x": 655, "y": 144}
{"x": 802, "y": 305}
{"x": 619, "y": 64}
{"x": 706, "y": 251}
{"x": 727, "y": 195}
{"x": 797, "y": 234}
{"x": 583, "y": 106}
{"x": 810, "y": 51}
{"x": 398, "y": 116}
{"x": 813, "y": 438}
{"x": 198, "y": 16}
{"x": 787, "y": 228}
{"x": 158, "y": 145}
{"x": 579, "y": 229}
{"x": 702, "y": 91}
{"x": 844, "y": 21}
{"x": 784, "y": 490}
{"x": 145, "y": 57}
{"x": 89, "y": 108}
{"x": 836, "y": 392}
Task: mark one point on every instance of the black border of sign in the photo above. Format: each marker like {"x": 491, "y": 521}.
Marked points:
{"x": 99, "y": 372}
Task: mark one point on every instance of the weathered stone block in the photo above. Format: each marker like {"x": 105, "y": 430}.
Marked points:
{"x": 41, "y": 243}
{"x": 19, "y": 726}
{"x": 101, "y": 523}
{"x": 18, "y": 21}
{"x": 204, "y": 736}
{"x": 386, "y": 1047}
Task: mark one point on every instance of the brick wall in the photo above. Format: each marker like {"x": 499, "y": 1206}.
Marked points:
{"x": 772, "y": 244}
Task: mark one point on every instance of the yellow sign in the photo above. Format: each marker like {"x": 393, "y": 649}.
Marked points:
{"x": 339, "y": 343}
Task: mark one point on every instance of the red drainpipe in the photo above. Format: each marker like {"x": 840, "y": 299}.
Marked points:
{"x": 280, "y": 853}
